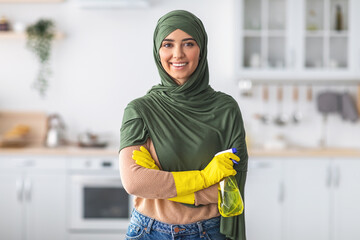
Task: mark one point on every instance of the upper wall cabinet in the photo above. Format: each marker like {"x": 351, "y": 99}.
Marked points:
{"x": 326, "y": 34}
{"x": 302, "y": 39}
{"x": 264, "y": 34}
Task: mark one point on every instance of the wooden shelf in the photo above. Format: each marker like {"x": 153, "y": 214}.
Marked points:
{"x": 31, "y": 1}
{"x": 14, "y": 35}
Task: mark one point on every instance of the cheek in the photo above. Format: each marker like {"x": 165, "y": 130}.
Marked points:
{"x": 195, "y": 54}
{"x": 164, "y": 56}
{"x": 195, "y": 57}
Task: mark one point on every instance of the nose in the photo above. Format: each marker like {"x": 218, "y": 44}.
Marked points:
{"x": 178, "y": 52}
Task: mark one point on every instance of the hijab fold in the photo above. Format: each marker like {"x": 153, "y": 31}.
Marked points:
{"x": 190, "y": 123}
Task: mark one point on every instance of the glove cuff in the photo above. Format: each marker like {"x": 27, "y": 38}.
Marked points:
{"x": 188, "y": 199}
{"x": 188, "y": 182}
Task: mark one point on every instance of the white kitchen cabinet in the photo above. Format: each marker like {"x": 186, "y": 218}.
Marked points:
{"x": 346, "y": 199}
{"x": 315, "y": 39}
{"x": 263, "y": 200}
{"x": 321, "y": 199}
{"x": 11, "y": 206}
{"x": 33, "y": 201}
{"x": 307, "y": 202}
{"x": 303, "y": 198}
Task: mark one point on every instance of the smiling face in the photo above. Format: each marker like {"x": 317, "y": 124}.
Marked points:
{"x": 179, "y": 55}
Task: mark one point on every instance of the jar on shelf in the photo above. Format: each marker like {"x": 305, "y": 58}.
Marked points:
{"x": 4, "y": 24}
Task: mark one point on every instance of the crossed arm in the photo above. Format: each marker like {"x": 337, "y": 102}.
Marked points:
{"x": 147, "y": 182}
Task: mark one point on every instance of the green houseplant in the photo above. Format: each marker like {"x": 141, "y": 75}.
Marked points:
{"x": 39, "y": 39}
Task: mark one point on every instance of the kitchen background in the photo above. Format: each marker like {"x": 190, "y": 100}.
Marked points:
{"x": 259, "y": 51}
{"x": 105, "y": 59}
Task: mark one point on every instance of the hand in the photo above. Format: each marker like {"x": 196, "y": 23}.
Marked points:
{"x": 221, "y": 166}
{"x": 144, "y": 159}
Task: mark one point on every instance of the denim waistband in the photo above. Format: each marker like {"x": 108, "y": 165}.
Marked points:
{"x": 174, "y": 229}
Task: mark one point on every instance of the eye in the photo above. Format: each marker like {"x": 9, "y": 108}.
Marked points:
{"x": 189, "y": 44}
{"x": 166, "y": 45}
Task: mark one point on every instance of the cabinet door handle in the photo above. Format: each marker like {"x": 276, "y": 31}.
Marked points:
{"x": 337, "y": 177}
{"x": 329, "y": 177}
{"x": 281, "y": 192}
{"x": 20, "y": 189}
{"x": 27, "y": 187}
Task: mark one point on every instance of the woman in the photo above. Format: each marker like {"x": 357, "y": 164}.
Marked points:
{"x": 169, "y": 138}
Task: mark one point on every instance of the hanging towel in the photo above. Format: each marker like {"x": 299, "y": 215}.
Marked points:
{"x": 348, "y": 108}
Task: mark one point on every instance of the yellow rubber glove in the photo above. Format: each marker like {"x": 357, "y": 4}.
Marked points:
{"x": 144, "y": 159}
{"x": 221, "y": 166}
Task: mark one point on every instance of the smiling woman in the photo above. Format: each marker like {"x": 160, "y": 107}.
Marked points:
{"x": 179, "y": 55}
{"x": 169, "y": 138}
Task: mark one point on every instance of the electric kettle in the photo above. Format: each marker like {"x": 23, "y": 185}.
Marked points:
{"x": 55, "y": 132}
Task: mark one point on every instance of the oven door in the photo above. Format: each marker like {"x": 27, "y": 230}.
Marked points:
{"x": 98, "y": 202}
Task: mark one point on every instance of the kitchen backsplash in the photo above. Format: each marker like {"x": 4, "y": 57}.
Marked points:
{"x": 309, "y": 131}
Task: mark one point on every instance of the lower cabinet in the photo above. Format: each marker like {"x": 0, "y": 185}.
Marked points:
{"x": 296, "y": 199}
{"x": 264, "y": 200}
{"x": 307, "y": 203}
{"x": 11, "y": 205}
{"x": 285, "y": 199}
{"x": 346, "y": 199}
{"x": 33, "y": 200}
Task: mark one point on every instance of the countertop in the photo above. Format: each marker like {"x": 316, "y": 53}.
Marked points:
{"x": 305, "y": 152}
{"x": 60, "y": 151}
{"x": 113, "y": 151}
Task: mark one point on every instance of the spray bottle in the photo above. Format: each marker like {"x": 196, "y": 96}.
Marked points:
{"x": 230, "y": 202}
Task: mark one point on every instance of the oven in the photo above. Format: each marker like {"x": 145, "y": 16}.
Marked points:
{"x": 97, "y": 199}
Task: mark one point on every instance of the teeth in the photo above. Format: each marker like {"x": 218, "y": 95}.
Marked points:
{"x": 179, "y": 64}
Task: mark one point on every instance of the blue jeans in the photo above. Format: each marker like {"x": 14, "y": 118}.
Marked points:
{"x": 146, "y": 228}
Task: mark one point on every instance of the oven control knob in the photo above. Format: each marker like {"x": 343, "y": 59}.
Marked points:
{"x": 107, "y": 164}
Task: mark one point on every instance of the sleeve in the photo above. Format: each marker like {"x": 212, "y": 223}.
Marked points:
{"x": 137, "y": 180}
{"x": 207, "y": 196}
{"x": 144, "y": 182}
{"x": 133, "y": 129}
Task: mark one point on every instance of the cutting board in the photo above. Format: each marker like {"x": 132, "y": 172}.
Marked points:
{"x": 37, "y": 121}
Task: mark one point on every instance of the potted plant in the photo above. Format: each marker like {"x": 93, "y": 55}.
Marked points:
{"x": 39, "y": 39}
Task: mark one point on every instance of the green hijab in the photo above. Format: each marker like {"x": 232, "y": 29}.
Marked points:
{"x": 189, "y": 23}
{"x": 188, "y": 124}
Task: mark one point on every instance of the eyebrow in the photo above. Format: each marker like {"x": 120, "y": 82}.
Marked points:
{"x": 172, "y": 40}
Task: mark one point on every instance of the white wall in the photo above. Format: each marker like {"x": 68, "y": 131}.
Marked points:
{"x": 106, "y": 60}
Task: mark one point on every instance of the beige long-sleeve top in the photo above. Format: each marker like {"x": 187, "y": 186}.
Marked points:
{"x": 152, "y": 188}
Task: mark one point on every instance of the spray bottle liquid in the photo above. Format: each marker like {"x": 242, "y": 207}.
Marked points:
{"x": 230, "y": 202}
